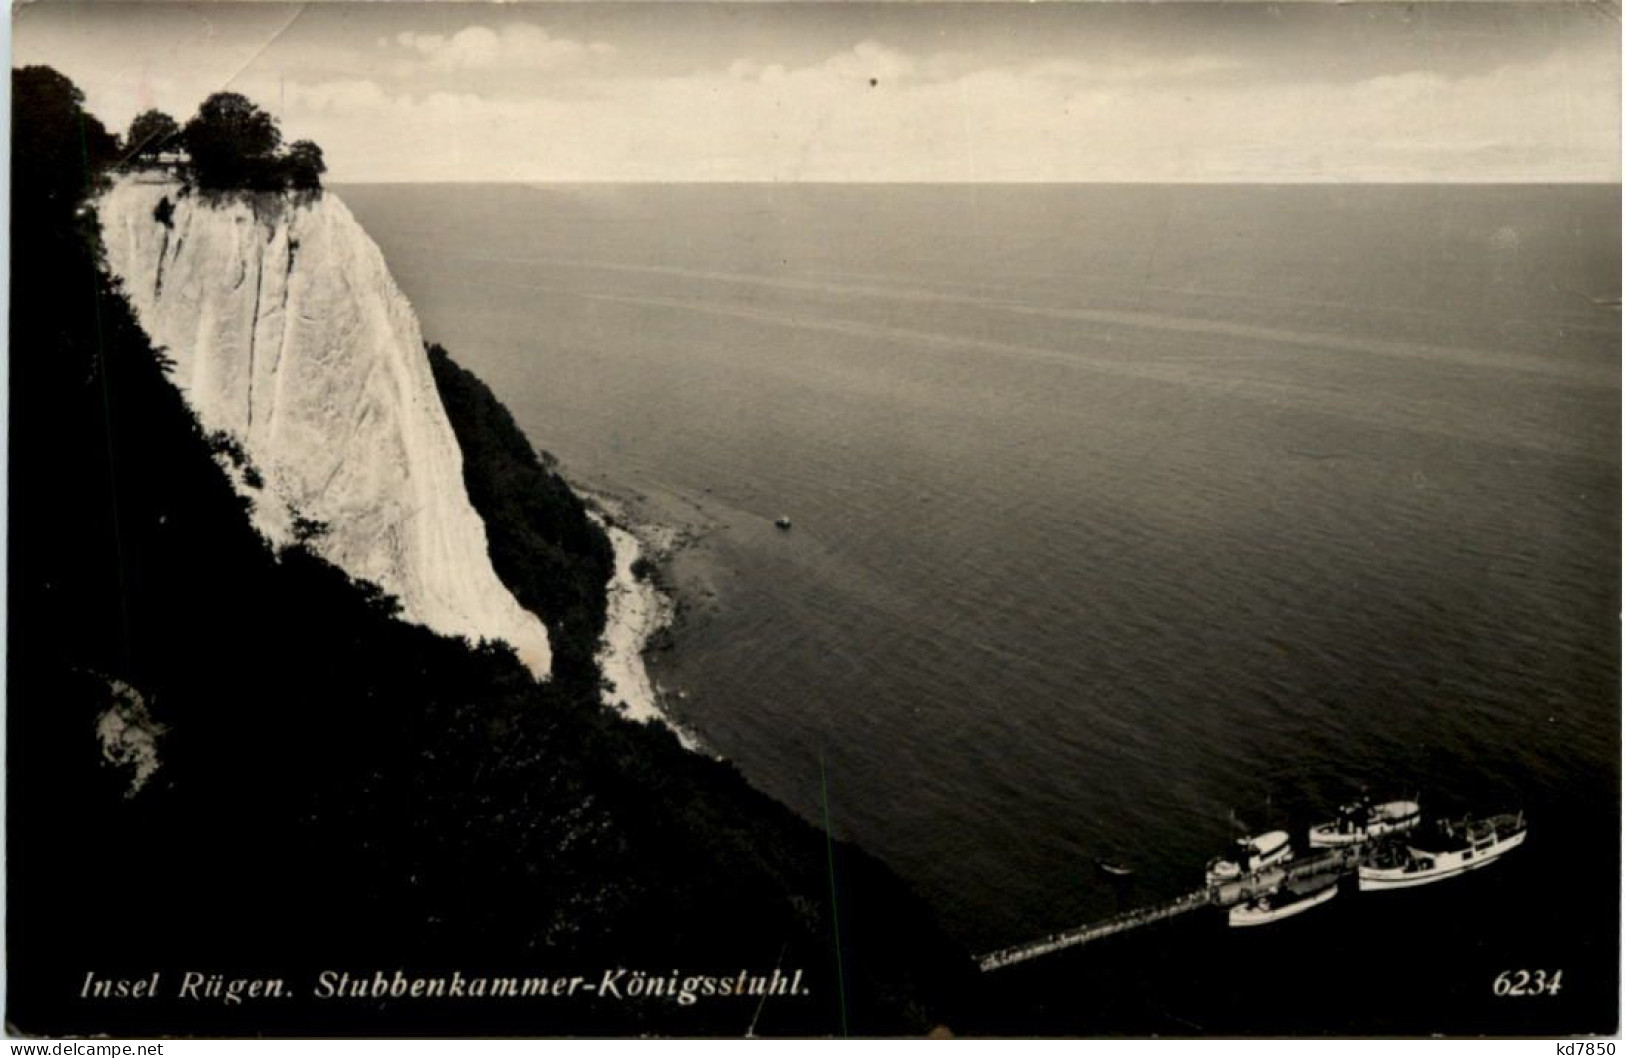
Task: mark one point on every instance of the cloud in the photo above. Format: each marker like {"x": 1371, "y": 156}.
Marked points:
{"x": 869, "y": 60}
{"x": 1126, "y": 69}
{"x": 879, "y": 62}
{"x": 519, "y": 45}
{"x": 350, "y": 96}
{"x": 485, "y": 103}
{"x": 857, "y": 66}
{"x": 824, "y": 121}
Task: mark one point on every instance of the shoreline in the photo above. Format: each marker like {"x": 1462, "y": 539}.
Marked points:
{"x": 639, "y": 610}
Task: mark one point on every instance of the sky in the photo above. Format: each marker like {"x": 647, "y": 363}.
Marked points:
{"x": 918, "y": 91}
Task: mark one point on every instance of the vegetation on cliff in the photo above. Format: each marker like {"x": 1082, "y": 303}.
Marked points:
{"x": 226, "y": 759}
{"x": 234, "y": 144}
{"x": 543, "y": 546}
{"x": 230, "y": 144}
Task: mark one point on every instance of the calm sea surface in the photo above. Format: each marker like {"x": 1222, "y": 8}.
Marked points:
{"x": 1117, "y": 510}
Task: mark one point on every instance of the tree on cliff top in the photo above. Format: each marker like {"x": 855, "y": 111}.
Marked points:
{"x": 236, "y": 146}
{"x": 151, "y": 133}
{"x": 233, "y": 145}
{"x": 303, "y": 166}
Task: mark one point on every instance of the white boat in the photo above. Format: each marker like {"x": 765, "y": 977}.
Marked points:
{"x": 1457, "y": 847}
{"x": 1283, "y": 902}
{"x": 1253, "y": 855}
{"x": 1362, "y": 821}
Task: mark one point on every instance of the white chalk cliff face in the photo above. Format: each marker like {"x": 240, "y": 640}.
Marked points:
{"x": 289, "y": 334}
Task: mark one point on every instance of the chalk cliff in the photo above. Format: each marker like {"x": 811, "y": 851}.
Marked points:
{"x": 289, "y": 336}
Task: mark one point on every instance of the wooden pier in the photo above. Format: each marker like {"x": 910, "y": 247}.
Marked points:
{"x": 1314, "y": 867}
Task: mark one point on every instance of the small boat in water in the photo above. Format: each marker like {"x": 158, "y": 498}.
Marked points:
{"x": 1361, "y": 821}
{"x": 1114, "y": 868}
{"x": 1253, "y": 855}
{"x": 1284, "y": 902}
{"x": 1456, "y": 848}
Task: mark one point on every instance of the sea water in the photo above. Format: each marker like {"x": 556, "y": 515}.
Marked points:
{"x": 1123, "y": 517}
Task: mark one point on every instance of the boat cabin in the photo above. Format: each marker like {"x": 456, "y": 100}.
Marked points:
{"x": 1261, "y": 851}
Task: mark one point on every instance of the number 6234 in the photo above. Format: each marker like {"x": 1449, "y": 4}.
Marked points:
{"x": 1528, "y": 983}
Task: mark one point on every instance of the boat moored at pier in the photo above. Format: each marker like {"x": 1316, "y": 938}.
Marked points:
{"x": 1361, "y": 821}
{"x": 1265, "y": 882}
{"x": 1284, "y": 902}
{"x": 1455, "y": 848}
{"x": 1253, "y": 855}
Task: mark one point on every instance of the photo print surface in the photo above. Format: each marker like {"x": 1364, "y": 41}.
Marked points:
{"x": 814, "y": 519}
